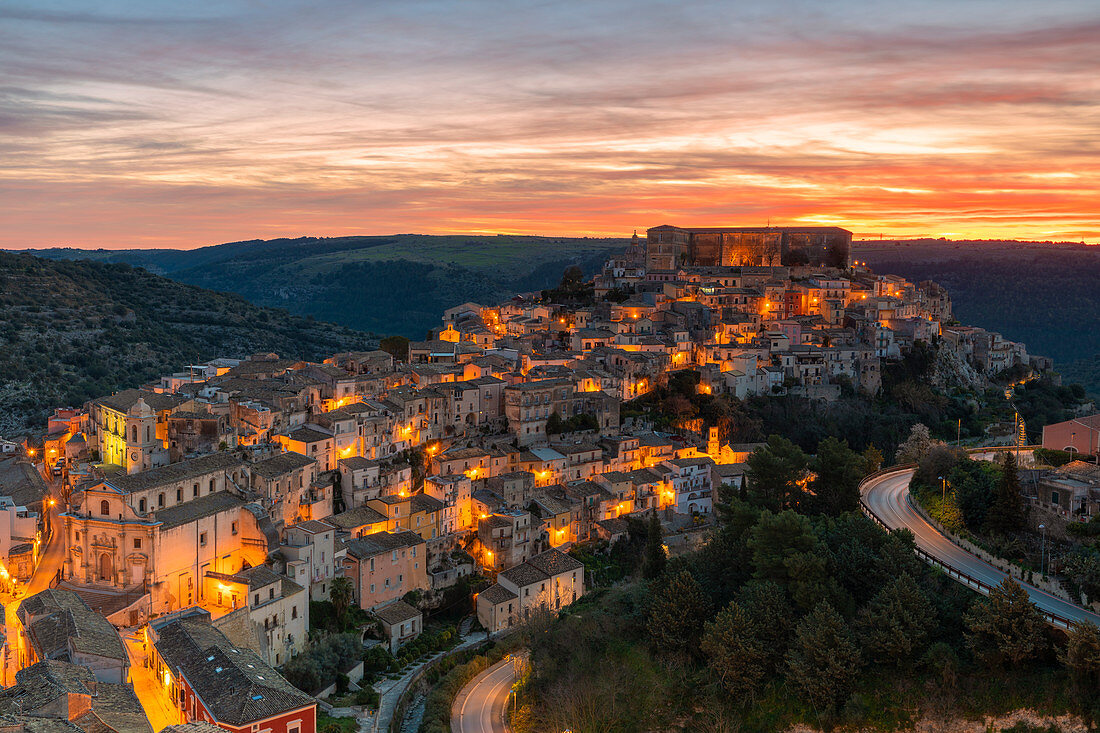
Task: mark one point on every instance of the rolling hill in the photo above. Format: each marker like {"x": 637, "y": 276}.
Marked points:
{"x": 385, "y": 284}
{"x": 1044, "y": 294}
{"x": 74, "y": 330}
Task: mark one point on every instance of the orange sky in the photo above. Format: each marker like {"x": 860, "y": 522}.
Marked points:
{"x": 125, "y": 126}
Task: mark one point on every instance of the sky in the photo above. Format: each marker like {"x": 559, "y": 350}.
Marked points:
{"x": 144, "y": 124}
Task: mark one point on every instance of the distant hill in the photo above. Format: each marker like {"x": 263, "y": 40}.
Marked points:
{"x": 384, "y": 284}
{"x": 71, "y": 331}
{"x": 1044, "y": 294}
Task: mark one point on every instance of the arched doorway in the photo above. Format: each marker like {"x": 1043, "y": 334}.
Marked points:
{"x": 106, "y": 568}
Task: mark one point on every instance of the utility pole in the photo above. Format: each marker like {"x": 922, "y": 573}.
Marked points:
{"x": 1043, "y": 552}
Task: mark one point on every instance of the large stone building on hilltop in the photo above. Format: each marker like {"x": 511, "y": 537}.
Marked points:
{"x": 669, "y": 247}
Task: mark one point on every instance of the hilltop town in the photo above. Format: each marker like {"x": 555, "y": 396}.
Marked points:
{"x": 165, "y": 542}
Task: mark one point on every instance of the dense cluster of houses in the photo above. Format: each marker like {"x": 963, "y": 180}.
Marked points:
{"x": 211, "y": 506}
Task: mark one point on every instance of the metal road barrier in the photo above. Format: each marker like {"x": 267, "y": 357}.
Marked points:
{"x": 954, "y": 573}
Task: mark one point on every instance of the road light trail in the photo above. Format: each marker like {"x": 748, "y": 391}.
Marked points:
{"x": 887, "y": 497}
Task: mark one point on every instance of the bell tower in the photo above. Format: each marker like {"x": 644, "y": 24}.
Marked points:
{"x": 141, "y": 437}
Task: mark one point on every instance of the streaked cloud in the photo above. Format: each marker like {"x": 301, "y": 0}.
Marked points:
{"x": 125, "y": 126}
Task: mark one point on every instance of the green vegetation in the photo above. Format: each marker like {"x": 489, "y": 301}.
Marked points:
{"x": 388, "y": 284}
{"x": 73, "y": 331}
{"x": 450, "y": 675}
{"x": 1049, "y": 309}
{"x": 318, "y": 666}
{"x": 329, "y": 724}
{"x": 785, "y": 618}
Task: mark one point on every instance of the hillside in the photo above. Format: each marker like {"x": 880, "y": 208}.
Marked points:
{"x": 1046, "y": 295}
{"x": 71, "y": 331}
{"x": 386, "y": 284}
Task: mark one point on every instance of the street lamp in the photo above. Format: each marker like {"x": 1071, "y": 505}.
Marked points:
{"x": 944, "y": 497}
{"x": 1043, "y": 552}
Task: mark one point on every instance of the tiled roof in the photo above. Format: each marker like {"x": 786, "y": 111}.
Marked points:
{"x": 22, "y": 482}
{"x": 497, "y": 593}
{"x": 312, "y": 526}
{"x": 175, "y": 472}
{"x": 190, "y": 511}
{"x": 523, "y": 574}
{"x": 68, "y": 621}
{"x": 554, "y": 562}
{"x": 278, "y": 465}
{"x": 356, "y": 463}
{"x": 382, "y": 542}
{"x": 235, "y": 684}
{"x": 425, "y": 503}
{"x": 127, "y": 398}
{"x": 396, "y": 612}
{"x": 356, "y": 517}
{"x": 40, "y": 688}
{"x": 306, "y": 434}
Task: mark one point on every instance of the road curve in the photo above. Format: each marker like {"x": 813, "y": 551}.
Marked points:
{"x": 479, "y": 707}
{"x": 887, "y": 497}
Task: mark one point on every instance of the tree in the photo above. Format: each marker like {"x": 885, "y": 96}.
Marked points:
{"x": 838, "y": 470}
{"x": 823, "y": 661}
{"x": 894, "y": 626}
{"x": 678, "y": 611}
{"x": 1006, "y": 628}
{"x": 1082, "y": 656}
{"x": 653, "y": 565}
{"x": 973, "y": 484}
{"x": 734, "y": 652}
{"x": 341, "y": 593}
{"x": 395, "y": 346}
{"x": 776, "y": 473}
{"x": 774, "y": 539}
{"x": 772, "y": 616}
{"x": 1006, "y": 512}
{"x": 572, "y": 278}
{"x": 916, "y": 445}
{"x": 554, "y": 423}
{"x": 872, "y": 459}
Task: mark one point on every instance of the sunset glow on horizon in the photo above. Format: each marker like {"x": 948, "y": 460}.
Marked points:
{"x": 127, "y": 125}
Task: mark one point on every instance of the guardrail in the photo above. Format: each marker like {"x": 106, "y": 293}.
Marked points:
{"x": 954, "y": 573}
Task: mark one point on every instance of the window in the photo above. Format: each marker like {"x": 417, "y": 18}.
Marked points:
{"x": 233, "y": 527}
{"x": 256, "y": 600}
{"x": 211, "y": 486}
{"x": 179, "y": 494}
{"x": 137, "y": 543}
{"x": 270, "y": 593}
{"x": 160, "y": 499}
{"x": 141, "y": 505}
{"x": 202, "y": 539}
{"x": 133, "y": 434}
{"x": 77, "y": 537}
{"x": 372, "y": 588}
{"x": 195, "y": 490}
{"x": 294, "y": 612}
{"x": 105, "y": 509}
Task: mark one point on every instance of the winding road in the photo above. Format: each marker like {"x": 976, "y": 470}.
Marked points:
{"x": 887, "y": 497}
{"x": 479, "y": 707}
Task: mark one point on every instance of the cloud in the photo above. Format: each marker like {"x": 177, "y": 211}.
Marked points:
{"x": 235, "y": 120}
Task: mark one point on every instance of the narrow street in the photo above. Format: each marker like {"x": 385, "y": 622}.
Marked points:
{"x": 53, "y": 556}
{"x": 147, "y": 687}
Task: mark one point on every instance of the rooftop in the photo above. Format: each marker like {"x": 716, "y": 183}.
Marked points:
{"x": 235, "y": 684}
{"x": 175, "y": 472}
